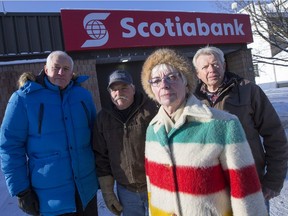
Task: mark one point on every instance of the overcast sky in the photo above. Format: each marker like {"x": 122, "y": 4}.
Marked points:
{"x": 216, "y": 6}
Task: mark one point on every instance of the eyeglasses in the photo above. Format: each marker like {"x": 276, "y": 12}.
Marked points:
{"x": 169, "y": 78}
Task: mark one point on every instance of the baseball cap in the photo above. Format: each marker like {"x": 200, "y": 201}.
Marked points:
{"x": 120, "y": 76}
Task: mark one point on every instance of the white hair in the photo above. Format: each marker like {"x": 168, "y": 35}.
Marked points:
{"x": 59, "y": 53}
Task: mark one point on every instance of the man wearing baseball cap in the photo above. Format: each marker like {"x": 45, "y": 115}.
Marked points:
{"x": 119, "y": 146}
{"x": 120, "y": 76}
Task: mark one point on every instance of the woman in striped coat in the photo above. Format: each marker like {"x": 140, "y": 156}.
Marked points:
{"x": 197, "y": 159}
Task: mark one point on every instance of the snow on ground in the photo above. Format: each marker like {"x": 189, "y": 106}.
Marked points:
{"x": 279, "y": 205}
{"x": 279, "y": 99}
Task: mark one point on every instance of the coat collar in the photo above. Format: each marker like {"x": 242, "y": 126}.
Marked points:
{"x": 193, "y": 109}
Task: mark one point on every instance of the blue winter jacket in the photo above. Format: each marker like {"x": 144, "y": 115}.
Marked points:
{"x": 48, "y": 131}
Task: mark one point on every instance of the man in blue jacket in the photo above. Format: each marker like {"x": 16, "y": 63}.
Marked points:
{"x": 45, "y": 144}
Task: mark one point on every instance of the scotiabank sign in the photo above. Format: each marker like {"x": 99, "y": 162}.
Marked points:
{"x": 106, "y": 29}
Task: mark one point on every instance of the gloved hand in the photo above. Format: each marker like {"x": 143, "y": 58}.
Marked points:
{"x": 107, "y": 188}
{"x": 269, "y": 194}
{"x": 28, "y": 202}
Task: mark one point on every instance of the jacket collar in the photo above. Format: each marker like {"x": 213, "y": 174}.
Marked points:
{"x": 193, "y": 108}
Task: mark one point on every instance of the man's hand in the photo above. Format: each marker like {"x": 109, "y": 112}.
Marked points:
{"x": 112, "y": 203}
{"x": 107, "y": 188}
{"x": 269, "y": 194}
{"x": 28, "y": 202}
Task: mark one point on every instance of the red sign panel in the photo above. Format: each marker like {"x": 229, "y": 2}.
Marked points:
{"x": 106, "y": 29}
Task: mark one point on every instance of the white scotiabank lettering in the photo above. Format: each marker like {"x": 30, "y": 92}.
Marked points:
{"x": 141, "y": 29}
{"x": 176, "y": 28}
{"x": 131, "y": 29}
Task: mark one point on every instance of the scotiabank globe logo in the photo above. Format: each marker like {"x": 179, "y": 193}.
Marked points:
{"x": 97, "y": 31}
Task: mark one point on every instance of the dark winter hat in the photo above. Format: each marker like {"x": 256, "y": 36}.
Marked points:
{"x": 120, "y": 76}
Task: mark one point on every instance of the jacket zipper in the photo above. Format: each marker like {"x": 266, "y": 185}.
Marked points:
{"x": 40, "y": 117}
{"x": 87, "y": 113}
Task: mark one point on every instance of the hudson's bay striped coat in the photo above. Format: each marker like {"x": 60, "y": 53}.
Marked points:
{"x": 202, "y": 167}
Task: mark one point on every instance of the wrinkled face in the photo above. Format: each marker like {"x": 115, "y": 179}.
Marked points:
{"x": 59, "y": 71}
{"x": 122, "y": 94}
{"x": 210, "y": 71}
{"x": 168, "y": 87}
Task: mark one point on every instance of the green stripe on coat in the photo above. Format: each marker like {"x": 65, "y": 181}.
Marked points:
{"x": 213, "y": 132}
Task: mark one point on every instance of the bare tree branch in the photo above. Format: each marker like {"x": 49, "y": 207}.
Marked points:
{"x": 267, "y": 62}
{"x": 269, "y": 20}
{"x": 271, "y": 58}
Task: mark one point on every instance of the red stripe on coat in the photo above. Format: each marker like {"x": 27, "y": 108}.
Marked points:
{"x": 189, "y": 179}
{"x": 243, "y": 182}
